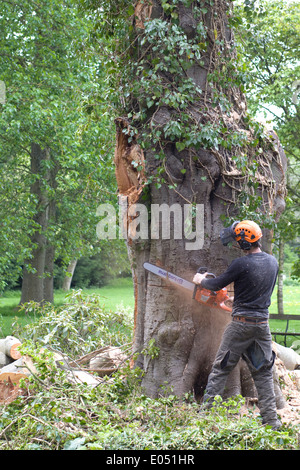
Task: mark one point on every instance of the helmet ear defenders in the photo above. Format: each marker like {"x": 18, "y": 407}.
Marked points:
{"x": 244, "y": 245}
{"x": 228, "y": 235}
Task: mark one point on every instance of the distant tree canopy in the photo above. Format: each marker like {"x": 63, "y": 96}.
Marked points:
{"x": 55, "y": 157}
{"x": 269, "y": 44}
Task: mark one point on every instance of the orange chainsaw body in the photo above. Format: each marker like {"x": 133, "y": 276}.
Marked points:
{"x": 212, "y": 299}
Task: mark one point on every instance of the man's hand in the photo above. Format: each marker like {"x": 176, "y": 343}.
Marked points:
{"x": 198, "y": 278}
{"x": 229, "y": 302}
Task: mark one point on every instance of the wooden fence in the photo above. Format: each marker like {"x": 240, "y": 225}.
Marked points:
{"x": 287, "y": 318}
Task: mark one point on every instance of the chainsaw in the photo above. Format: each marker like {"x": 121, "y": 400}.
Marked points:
{"x": 200, "y": 294}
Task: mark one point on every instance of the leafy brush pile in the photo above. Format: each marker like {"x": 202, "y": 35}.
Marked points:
{"x": 117, "y": 415}
{"x": 79, "y": 326}
{"x": 55, "y": 414}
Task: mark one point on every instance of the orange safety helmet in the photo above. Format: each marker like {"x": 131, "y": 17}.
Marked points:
{"x": 245, "y": 233}
{"x": 248, "y": 231}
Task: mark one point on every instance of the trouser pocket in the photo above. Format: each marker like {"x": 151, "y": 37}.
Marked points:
{"x": 256, "y": 358}
{"x": 229, "y": 361}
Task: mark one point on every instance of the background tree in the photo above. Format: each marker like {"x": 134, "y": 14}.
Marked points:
{"x": 55, "y": 163}
{"x": 269, "y": 40}
{"x": 181, "y": 111}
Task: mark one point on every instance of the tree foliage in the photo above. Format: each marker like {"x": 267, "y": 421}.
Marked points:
{"x": 64, "y": 86}
{"x": 45, "y": 78}
{"x": 50, "y": 77}
{"x": 152, "y": 81}
{"x": 268, "y": 41}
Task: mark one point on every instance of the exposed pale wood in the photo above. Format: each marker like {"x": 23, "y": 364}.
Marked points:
{"x": 23, "y": 366}
{"x": 10, "y": 377}
{"x": 288, "y": 356}
{"x": 13, "y": 377}
{"x": 103, "y": 361}
{"x": 9, "y": 346}
{"x": 10, "y": 389}
{"x": 87, "y": 357}
{"x": 102, "y": 372}
{"x": 82, "y": 376}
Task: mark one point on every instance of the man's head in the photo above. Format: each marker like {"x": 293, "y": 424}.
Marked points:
{"x": 247, "y": 233}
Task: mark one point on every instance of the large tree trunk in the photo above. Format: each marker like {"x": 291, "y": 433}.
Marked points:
{"x": 49, "y": 273}
{"x": 186, "y": 334}
{"x": 50, "y": 248}
{"x": 37, "y": 282}
{"x": 34, "y": 268}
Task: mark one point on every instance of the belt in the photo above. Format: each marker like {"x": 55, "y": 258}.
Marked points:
{"x": 249, "y": 320}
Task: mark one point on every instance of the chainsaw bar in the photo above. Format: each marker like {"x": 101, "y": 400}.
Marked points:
{"x": 202, "y": 295}
{"x": 169, "y": 276}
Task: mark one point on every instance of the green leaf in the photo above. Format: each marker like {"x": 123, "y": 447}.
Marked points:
{"x": 180, "y": 146}
{"x": 74, "y": 444}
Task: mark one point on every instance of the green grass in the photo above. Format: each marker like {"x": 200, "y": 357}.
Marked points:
{"x": 120, "y": 292}
{"x": 291, "y": 306}
{"x": 291, "y": 300}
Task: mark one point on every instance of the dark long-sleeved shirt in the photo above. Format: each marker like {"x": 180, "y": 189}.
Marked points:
{"x": 254, "y": 277}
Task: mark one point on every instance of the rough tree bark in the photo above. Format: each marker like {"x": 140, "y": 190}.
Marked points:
{"x": 33, "y": 277}
{"x": 37, "y": 282}
{"x": 187, "y": 334}
{"x": 50, "y": 248}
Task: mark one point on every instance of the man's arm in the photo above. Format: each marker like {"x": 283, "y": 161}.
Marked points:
{"x": 219, "y": 282}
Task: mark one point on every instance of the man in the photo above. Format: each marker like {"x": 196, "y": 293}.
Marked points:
{"x": 248, "y": 335}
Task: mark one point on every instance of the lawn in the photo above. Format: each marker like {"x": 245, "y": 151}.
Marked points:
{"x": 120, "y": 292}
{"x": 291, "y": 300}
{"x": 291, "y": 306}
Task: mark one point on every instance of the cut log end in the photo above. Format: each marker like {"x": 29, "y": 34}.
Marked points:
{"x": 10, "y": 386}
{"x": 10, "y": 346}
{"x": 14, "y": 352}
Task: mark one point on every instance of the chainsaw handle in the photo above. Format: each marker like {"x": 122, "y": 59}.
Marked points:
{"x": 202, "y": 270}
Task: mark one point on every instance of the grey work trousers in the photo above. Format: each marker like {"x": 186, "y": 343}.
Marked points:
{"x": 254, "y": 344}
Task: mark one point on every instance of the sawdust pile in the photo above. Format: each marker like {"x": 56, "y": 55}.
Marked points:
{"x": 290, "y": 387}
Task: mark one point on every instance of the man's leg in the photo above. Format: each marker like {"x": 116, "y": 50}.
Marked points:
{"x": 260, "y": 359}
{"x": 263, "y": 379}
{"x": 222, "y": 366}
{"x": 226, "y": 359}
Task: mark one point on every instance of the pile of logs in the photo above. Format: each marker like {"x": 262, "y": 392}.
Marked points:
{"x": 87, "y": 369}
{"x": 10, "y": 373}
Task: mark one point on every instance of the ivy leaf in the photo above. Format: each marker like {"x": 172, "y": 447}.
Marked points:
{"x": 74, "y": 444}
{"x": 180, "y": 146}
